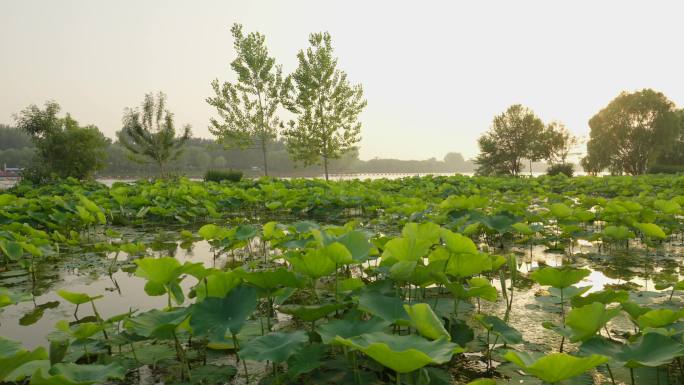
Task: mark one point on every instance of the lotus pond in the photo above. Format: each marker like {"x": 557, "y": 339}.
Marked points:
{"x": 432, "y": 280}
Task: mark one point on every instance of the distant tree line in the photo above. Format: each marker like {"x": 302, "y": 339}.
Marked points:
{"x": 636, "y": 133}
{"x": 200, "y": 155}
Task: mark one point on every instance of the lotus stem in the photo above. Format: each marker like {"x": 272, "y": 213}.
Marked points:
{"x": 237, "y": 357}
{"x": 398, "y": 378}
{"x": 631, "y": 375}
{"x": 610, "y": 372}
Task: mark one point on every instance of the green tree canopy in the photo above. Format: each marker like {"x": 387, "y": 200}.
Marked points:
{"x": 63, "y": 148}
{"x": 248, "y": 109}
{"x": 149, "y": 133}
{"x": 631, "y": 132}
{"x": 515, "y": 135}
{"x": 327, "y": 106}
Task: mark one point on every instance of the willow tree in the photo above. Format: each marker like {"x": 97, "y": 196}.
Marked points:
{"x": 149, "y": 133}
{"x": 248, "y": 108}
{"x": 327, "y": 106}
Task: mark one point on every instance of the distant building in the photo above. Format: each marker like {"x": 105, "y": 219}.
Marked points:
{"x": 10, "y": 172}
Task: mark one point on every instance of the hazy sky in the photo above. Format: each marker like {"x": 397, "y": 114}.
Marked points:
{"x": 434, "y": 72}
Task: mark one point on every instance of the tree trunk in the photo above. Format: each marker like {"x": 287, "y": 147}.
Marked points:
{"x": 325, "y": 167}
{"x": 263, "y": 152}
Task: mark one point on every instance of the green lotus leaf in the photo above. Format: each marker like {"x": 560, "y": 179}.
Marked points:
{"x": 269, "y": 279}
{"x": 213, "y": 374}
{"x": 214, "y": 317}
{"x": 11, "y": 249}
{"x": 605, "y": 297}
{"x": 79, "y": 331}
{"x": 158, "y": 270}
{"x": 275, "y": 347}
{"x": 560, "y": 210}
{"x": 313, "y": 263}
{"x": 403, "y": 354}
{"x": 77, "y": 298}
{"x": 497, "y": 326}
{"x": 555, "y": 367}
{"x": 559, "y": 277}
{"x": 667, "y": 207}
{"x": 403, "y": 271}
{"x": 337, "y": 253}
{"x": 477, "y": 287}
{"x": 14, "y": 356}
{"x": 9, "y": 297}
{"x": 350, "y": 328}
{"x": 651, "y": 230}
{"x": 426, "y": 321}
{"x": 357, "y": 244}
{"x": 309, "y": 313}
{"x": 88, "y": 374}
{"x": 212, "y": 232}
{"x": 350, "y": 284}
{"x": 457, "y": 243}
{"x": 482, "y": 381}
{"x": 307, "y": 359}
{"x": 650, "y": 350}
{"x": 617, "y": 233}
{"x": 522, "y": 228}
{"x": 218, "y": 284}
{"x": 585, "y": 321}
{"x": 391, "y": 309}
{"x": 466, "y": 265}
{"x": 27, "y": 369}
{"x": 157, "y": 323}
{"x": 406, "y": 249}
{"x": 427, "y": 231}
{"x": 658, "y": 318}
{"x": 634, "y": 310}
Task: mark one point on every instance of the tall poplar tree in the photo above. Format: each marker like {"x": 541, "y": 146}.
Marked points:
{"x": 248, "y": 109}
{"x": 327, "y": 106}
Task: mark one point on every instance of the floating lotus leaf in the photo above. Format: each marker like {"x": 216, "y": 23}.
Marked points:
{"x": 559, "y": 277}
{"x": 650, "y": 350}
{"x": 555, "y": 367}
{"x": 426, "y": 321}
{"x": 350, "y": 328}
{"x": 214, "y": 317}
{"x": 275, "y": 347}
{"x": 585, "y": 321}
{"x": 403, "y": 354}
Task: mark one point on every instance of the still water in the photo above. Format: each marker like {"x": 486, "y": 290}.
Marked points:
{"x": 123, "y": 291}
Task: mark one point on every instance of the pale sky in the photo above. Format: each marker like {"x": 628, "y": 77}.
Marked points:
{"x": 434, "y": 72}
